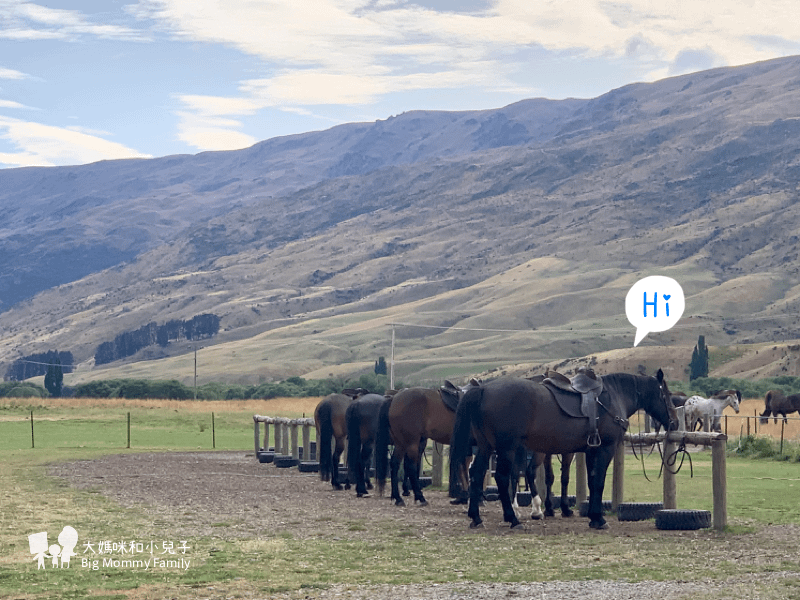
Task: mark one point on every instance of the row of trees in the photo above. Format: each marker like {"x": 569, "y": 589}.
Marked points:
{"x": 130, "y": 342}
{"x": 36, "y": 365}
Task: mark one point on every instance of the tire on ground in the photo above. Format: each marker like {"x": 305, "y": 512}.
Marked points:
{"x": 583, "y": 509}
{"x": 308, "y": 467}
{"x": 638, "y": 511}
{"x": 284, "y": 461}
{"x": 682, "y": 519}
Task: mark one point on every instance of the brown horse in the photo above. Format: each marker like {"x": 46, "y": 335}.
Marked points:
{"x": 508, "y": 413}
{"x": 408, "y": 420}
{"x": 776, "y": 403}
{"x": 329, "y": 418}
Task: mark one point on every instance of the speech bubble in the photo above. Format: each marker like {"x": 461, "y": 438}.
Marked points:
{"x": 654, "y": 304}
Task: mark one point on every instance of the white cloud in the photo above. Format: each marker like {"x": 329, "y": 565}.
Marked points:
{"x": 11, "y": 74}
{"x": 12, "y": 104}
{"x": 46, "y": 145}
{"x": 30, "y": 21}
{"x": 204, "y": 122}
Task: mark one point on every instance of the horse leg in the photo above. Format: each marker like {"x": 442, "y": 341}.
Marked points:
{"x": 566, "y": 462}
{"x": 394, "y": 468}
{"x": 412, "y": 467}
{"x": 335, "y": 464}
{"x": 597, "y": 462}
{"x": 549, "y": 479}
{"x": 502, "y": 475}
{"x": 366, "y": 465}
{"x": 530, "y": 480}
{"x": 477, "y": 473}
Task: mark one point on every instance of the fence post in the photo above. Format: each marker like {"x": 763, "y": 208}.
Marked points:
{"x": 670, "y": 489}
{"x": 295, "y": 447}
{"x": 618, "y": 478}
{"x": 581, "y": 482}
{"x": 307, "y": 441}
{"x": 437, "y": 460}
{"x": 32, "y": 444}
{"x": 278, "y": 436}
{"x": 213, "y": 433}
{"x": 129, "y": 430}
{"x": 719, "y": 483}
{"x": 255, "y": 434}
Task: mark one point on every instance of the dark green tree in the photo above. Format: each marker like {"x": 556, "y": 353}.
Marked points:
{"x": 54, "y": 379}
{"x": 380, "y": 366}
{"x": 698, "y": 367}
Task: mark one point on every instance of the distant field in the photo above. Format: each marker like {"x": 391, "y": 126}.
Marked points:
{"x": 155, "y": 424}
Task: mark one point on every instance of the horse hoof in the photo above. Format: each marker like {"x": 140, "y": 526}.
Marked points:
{"x": 338, "y": 487}
{"x": 406, "y": 493}
{"x": 399, "y": 502}
{"x": 423, "y": 503}
{"x": 599, "y": 525}
{"x": 549, "y": 513}
{"x": 518, "y": 528}
{"x": 567, "y": 514}
{"x": 476, "y": 525}
{"x": 364, "y": 495}
{"x": 458, "y": 501}
{"x": 537, "y": 516}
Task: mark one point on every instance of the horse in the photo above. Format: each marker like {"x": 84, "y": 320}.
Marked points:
{"x": 408, "y": 420}
{"x": 362, "y": 417}
{"x": 510, "y": 412}
{"x": 776, "y": 403}
{"x": 699, "y": 410}
{"x": 329, "y": 419}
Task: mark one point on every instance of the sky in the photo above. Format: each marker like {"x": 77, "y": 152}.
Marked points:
{"x": 89, "y": 80}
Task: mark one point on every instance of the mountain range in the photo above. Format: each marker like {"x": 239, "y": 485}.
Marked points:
{"x": 473, "y": 239}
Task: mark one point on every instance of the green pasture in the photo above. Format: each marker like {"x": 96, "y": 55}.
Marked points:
{"x": 760, "y": 493}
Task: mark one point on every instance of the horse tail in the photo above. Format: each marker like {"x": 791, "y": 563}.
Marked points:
{"x": 325, "y": 424}
{"x": 382, "y": 445}
{"x": 461, "y": 441}
{"x": 353, "y": 418}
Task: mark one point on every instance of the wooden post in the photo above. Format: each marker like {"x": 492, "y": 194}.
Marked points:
{"x": 748, "y": 426}
{"x": 213, "y": 433}
{"x": 437, "y": 462}
{"x": 277, "y": 428}
{"x": 255, "y": 434}
{"x": 294, "y": 438}
{"x": 129, "y": 429}
{"x": 581, "y": 481}
{"x": 670, "y": 489}
{"x": 719, "y": 483}
{"x": 306, "y": 441}
{"x": 32, "y": 443}
{"x": 618, "y": 480}
{"x": 266, "y": 436}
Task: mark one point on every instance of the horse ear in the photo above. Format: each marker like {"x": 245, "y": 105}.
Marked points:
{"x": 660, "y": 376}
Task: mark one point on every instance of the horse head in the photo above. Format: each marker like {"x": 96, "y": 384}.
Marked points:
{"x": 666, "y": 399}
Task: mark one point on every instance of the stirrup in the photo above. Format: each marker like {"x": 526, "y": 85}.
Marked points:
{"x": 593, "y": 441}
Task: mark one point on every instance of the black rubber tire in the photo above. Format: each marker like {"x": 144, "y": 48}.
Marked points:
{"x": 491, "y": 497}
{"x": 425, "y": 482}
{"x": 266, "y": 457}
{"x": 524, "y": 499}
{"x": 284, "y": 462}
{"x": 583, "y": 509}
{"x": 490, "y": 489}
{"x": 682, "y": 519}
{"x": 308, "y": 467}
{"x": 638, "y": 511}
{"x": 571, "y": 501}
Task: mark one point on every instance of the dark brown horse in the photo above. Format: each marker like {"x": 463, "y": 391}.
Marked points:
{"x": 362, "y": 428}
{"x": 508, "y": 413}
{"x": 409, "y": 420}
{"x": 329, "y": 418}
{"x": 776, "y": 403}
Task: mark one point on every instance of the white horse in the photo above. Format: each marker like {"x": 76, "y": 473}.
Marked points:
{"x": 700, "y": 410}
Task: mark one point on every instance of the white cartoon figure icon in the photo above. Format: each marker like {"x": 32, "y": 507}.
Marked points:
{"x": 38, "y": 544}
{"x": 68, "y": 538}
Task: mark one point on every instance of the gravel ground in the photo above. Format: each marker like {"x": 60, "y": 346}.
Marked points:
{"x": 197, "y": 492}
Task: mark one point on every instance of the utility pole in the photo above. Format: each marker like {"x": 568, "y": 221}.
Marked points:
{"x": 391, "y": 363}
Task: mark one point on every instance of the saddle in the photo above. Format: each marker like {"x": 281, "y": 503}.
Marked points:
{"x": 578, "y": 397}
{"x": 450, "y": 395}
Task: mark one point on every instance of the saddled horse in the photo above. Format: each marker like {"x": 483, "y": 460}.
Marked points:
{"x": 509, "y": 412}
{"x": 699, "y": 410}
{"x": 409, "y": 420}
{"x": 329, "y": 418}
{"x": 362, "y": 418}
{"x": 777, "y": 403}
